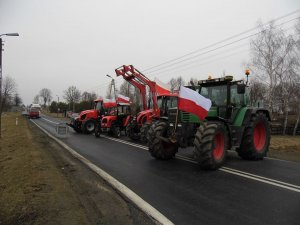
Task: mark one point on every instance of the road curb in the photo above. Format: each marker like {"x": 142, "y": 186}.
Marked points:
{"x": 118, "y": 186}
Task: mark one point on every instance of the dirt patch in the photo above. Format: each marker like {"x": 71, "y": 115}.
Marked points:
{"x": 285, "y": 147}
{"x": 40, "y": 183}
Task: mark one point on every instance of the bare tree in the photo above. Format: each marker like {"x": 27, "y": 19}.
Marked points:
{"x": 37, "y": 99}
{"x": 193, "y": 81}
{"x": 296, "y": 94}
{"x": 8, "y": 88}
{"x": 88, "y": 97}
{"x": 258, "y": 92}
{"x": 270, "y": 51}
{"x": 46, "y": 95}
{"x": 126, "y": 89}
{"x": 176, "y": 83}
{"x": 17, "y": 100}
{"x": 180, "y": 82}
{"x": 72, "y": 96}
{"x": 173, "y": 84}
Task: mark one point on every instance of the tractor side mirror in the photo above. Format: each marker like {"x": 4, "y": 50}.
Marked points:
{"x": 241, "y": 88}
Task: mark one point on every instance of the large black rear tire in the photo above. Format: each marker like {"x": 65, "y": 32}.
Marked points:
{"x": 256, "y": 138}
{"x": 144, "y": 132}
{"x": 210, "y": 145}
{"x": 158, "y": 148}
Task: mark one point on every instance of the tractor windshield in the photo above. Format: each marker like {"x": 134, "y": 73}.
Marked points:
{"x": 217, "y": 94}
{"x": 165, "y": 103}
{"x": 237, "y": 99}
{"x": 98, "y": 105}
{"x": 123, "y": 109}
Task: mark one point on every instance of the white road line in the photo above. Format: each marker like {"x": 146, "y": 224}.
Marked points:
{"x": 257, "y": 176}
{"x": 50, "y": 121}
{"x": 240, "y": 173}
{"x": 121, "y": 188}
{"x": 271, "y": 158}
{"x": 126, "y": 142}
{"x": 260, "y": 180}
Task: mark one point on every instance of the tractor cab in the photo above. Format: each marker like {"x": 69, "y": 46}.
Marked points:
{"x": 165, "y": 102}
{"x": 227, "y": 96}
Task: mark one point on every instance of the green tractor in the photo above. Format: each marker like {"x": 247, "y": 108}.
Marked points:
{"x": 230, "y": 124}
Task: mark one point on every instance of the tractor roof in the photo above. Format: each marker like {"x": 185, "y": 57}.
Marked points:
{"x": 98, "y": 100}
{"x": 122, "y": 104}
{"x": 218, "y": 81}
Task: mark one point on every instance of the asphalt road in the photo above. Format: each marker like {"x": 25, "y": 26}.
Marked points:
{"x": 242, "y": 192}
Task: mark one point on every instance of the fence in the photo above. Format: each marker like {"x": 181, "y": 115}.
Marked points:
{"x": 277, "y": 129}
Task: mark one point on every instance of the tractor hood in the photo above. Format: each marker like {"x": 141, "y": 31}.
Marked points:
{"x": 88, "y": 114}
{"x": 90, "y": 111}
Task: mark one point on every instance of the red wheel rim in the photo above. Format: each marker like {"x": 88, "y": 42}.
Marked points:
{"x": 219, "y": 146}
{"x": 259, "y": 136}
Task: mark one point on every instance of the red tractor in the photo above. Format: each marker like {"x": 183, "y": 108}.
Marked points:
{"x": 117, "y": 120}
{"x": 140, "y": 124}
{"x": 86, "y": 121}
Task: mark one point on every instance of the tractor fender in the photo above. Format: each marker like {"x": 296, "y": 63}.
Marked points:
{"x": 144, "y": 116}
{"x": 253, "y": 111}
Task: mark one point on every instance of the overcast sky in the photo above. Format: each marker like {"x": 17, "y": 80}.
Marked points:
{"x": 78, "y": 42}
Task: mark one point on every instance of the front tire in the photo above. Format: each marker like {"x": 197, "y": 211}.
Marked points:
{"x": 97, "y": 131}
{"x": 116, "y": 131}
{"x": 89, "y": 126}
{"x": 210, "y": 145}
{"x": 77, "y": 126}
{"x": 158, "y": 148}
{"x": 133, "y": 131}
{"x": 256, "y": 138}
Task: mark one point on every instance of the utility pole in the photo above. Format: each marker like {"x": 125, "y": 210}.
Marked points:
{"x": 0, "y": 87}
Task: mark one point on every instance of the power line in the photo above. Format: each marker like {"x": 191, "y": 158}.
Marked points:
{"x": 219, "y": 42}
{"x": 207, "y": 47}
{"x": 217, "y": 48}
{"x": 195, "y": 61}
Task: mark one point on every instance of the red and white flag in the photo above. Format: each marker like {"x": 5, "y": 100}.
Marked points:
{"x": 162, "y": 88}
{"x": 123, "y": 99}
{"x": 192, "y": 102}
{"x": 109, "y": 103}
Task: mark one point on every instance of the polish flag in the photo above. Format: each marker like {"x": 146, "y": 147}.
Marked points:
{"x": 162, "y": 88}
{"x": 192, "y": 102}
{"x": 123, "y": 99}
{"x": 109, "y": 103}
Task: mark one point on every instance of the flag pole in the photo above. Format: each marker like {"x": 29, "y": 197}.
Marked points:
{"x": 176, "y": 120}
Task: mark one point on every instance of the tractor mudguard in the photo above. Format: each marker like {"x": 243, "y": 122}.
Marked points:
{"x": 126, "y": 121}
{"x": 144, "y": 116}
{"x": 244, "y": 115}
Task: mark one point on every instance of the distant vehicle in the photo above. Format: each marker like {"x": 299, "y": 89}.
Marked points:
{"x": 34, "y": 111}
